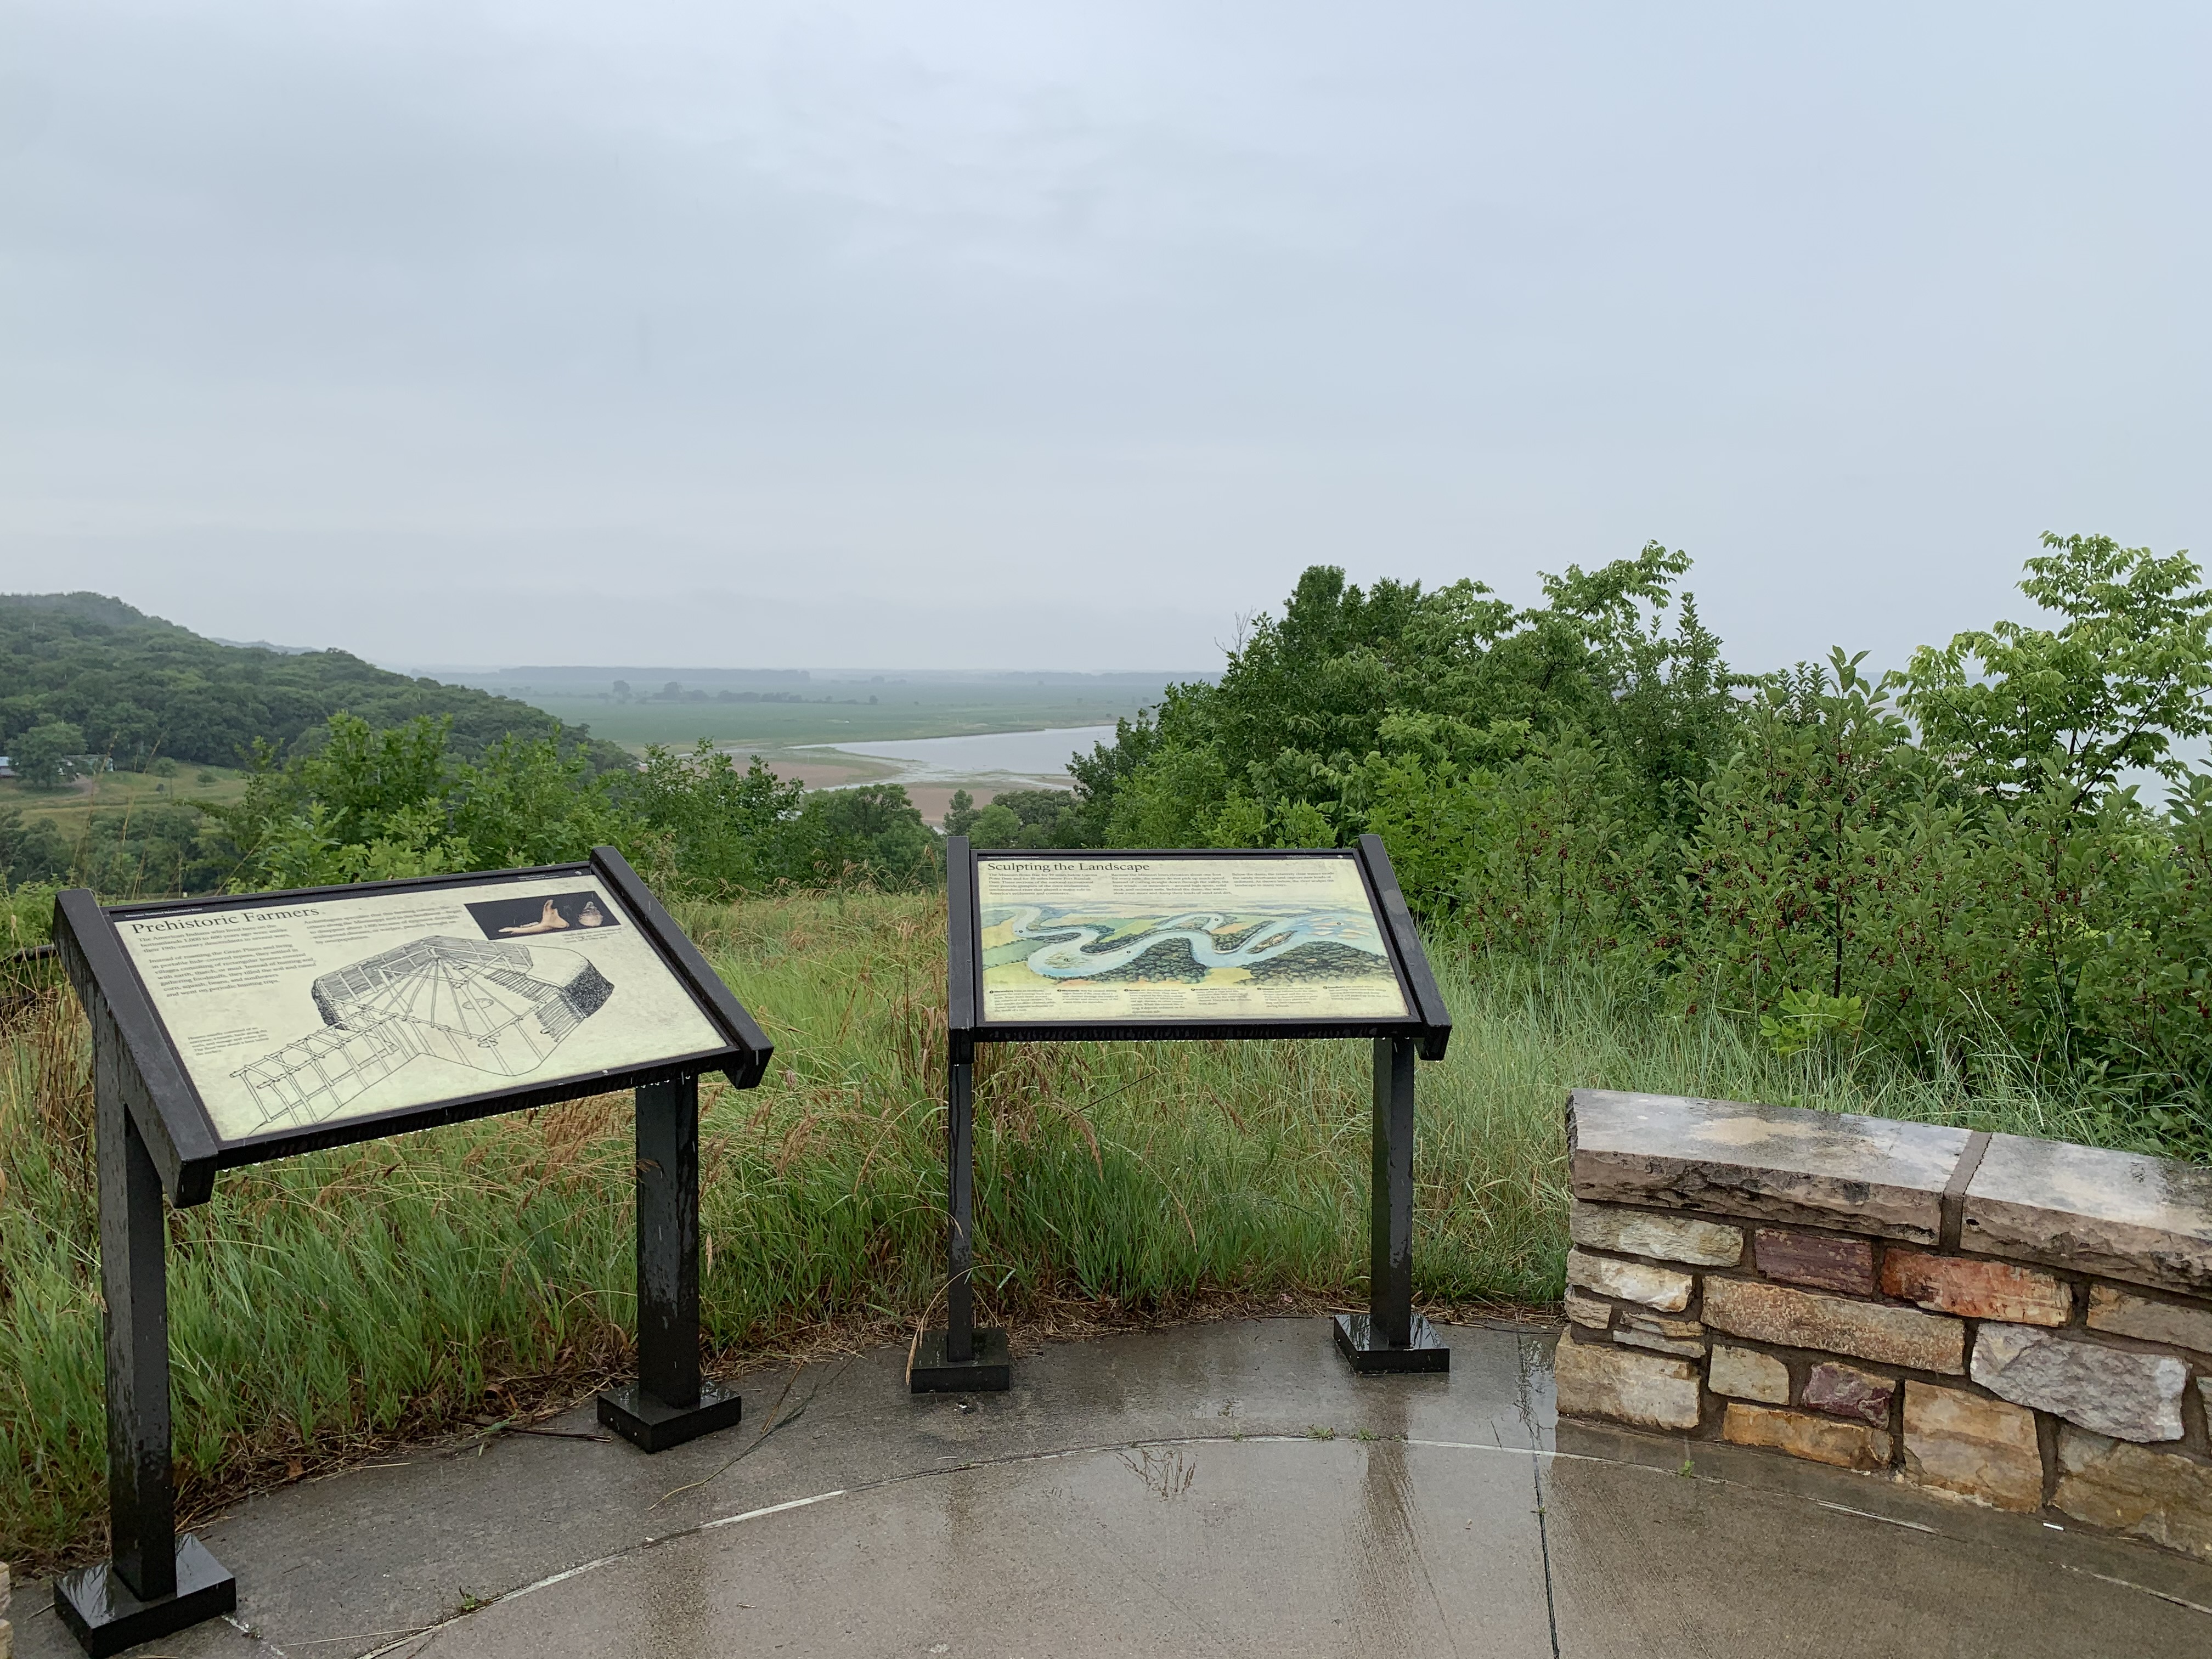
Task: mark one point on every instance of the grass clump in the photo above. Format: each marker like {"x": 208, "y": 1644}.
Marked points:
{"x": 326, "y": 1303}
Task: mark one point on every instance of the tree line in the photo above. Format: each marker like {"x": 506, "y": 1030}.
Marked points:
{"x": 1953, "y": 862}
{"x": 374, "y": 805}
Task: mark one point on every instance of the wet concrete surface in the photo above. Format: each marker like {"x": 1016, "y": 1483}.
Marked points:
{"x": 1224, "y": 1489}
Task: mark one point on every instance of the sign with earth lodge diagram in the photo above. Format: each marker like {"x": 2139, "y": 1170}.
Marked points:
{"x": 314, "y": 1009}
{"x": 1118, "y": 938}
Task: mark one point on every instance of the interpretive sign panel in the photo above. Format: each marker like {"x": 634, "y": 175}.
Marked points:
{"x": 1084, "y": 946}
{"x": 1173, "y": 944}
{"x": 1124, "y": 939}
{"x": 269, "y": 1023}
{"x": 315, "y": 1010}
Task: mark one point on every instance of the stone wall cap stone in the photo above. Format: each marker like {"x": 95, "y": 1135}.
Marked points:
{"x": 2120, "y": 1215}
{"x": 1862, "y": 1174}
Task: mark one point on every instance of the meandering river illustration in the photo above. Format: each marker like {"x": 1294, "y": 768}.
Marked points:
{"x": 1066, "y": 952}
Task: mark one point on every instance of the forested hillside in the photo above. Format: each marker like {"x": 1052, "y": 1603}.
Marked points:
{"x": 82, "y": 674}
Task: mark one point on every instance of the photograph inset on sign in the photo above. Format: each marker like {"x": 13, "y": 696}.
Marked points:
{"x": 493, "y": 1007}
{"x": 555, "y": 913}
{"x": 1108, "y": 940}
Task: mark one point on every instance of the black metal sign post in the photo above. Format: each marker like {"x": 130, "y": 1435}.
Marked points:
{"x": 959, "y": 1357}
{"x": 669, "y": 1403}
{"x": 156, "y": 1133}
{"x": 1389, "y": 1336}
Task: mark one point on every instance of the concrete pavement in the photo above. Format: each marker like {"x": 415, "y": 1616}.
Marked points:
{"x": 1223, "y": 1489}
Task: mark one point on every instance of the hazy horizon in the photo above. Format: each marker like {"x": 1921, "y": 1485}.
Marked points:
{"x": 485, "y": 333}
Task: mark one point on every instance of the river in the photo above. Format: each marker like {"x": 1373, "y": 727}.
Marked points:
{"x": 1035, "y": 756}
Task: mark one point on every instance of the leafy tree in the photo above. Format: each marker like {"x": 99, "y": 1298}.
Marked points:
{"x": 1795, "y": 839}
{"x": 2111, "y": 687}
{"x": 871, "y": 834}
{"x": 713, "y": 831}
{"x": 43, "y": 755}
{"x": 1018, "y": 817}
{"x": 31, "y": 852}
{"x": 373, "y": 804}
{"x": 1029, "y": 819}
{"x": 1284, "y": 750}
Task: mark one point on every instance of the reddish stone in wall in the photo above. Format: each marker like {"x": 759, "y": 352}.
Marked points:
{"x": 1846, "y": 1391}
{"x": 1827, "y": 1264}
{"x": 1976, "y": 1289}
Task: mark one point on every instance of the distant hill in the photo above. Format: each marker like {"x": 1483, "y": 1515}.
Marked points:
{"x": 137, "y": 687}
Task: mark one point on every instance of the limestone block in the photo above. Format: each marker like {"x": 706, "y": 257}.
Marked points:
{"x": 1682, "y": 1337}
{"x": 1669, "y": 1238}
{"x": 1748, "y": 1374}
{"x": 2164, "y": 1496}
{"x": 2138, "y": 1317}
{"x": 2116, "y": 1392}
{"x": 1864, "y": 1330}
{"x": 1821, "y": 1439}
{"x": 1980, "y": 1449}
{"x": 1976, "y": 1289}
{"x": 1596, "y": 1379}
{"x": 1847, "y": 1391}
{"x": 1631, "y": 1281}
{"x": 1659, "y": 1324}
{"x": 1826, "y": 1264}
{"x": 2118, "y": 1215}
{"x": 1863, "y": 1174}
{"x": 1588, "y": 1311}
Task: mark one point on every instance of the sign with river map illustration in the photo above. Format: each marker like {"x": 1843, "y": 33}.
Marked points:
{"x": 1121, "y": 938}
{"x": 312, "y": 1009}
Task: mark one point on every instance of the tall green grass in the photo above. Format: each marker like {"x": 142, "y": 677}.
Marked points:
{"x": 323, "y": 1302}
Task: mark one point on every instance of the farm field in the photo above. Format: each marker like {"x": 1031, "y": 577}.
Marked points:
{"x": 68, "y": 808}
{"x": 890, "y": 706}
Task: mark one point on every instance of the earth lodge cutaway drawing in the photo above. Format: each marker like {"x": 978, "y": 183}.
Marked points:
{"x": 489, "y": 1006}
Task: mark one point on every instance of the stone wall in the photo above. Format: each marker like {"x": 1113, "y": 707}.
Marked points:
{"x": 2022, "y": 1323}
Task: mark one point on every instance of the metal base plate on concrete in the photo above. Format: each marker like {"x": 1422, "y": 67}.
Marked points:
{"x": 991, "y": 1371}
{"x": 652, "y": 1426}
{"x": 106, "y": 1616}
{"x": 1357, "y": 1342}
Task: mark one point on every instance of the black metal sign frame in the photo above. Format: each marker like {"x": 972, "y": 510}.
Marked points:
{"x": 1389, "y": 1336}
{"x": 155, "y": 1134}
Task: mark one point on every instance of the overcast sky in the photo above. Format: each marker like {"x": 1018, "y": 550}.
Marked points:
{"x": 1032, "y": 335}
